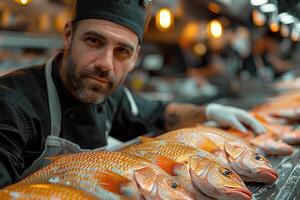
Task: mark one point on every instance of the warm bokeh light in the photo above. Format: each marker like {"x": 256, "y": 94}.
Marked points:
{"x": 164, "y": 19}
{"x": 284, "y": 31}
{"x": 200, "y": 49}
{"x": 44, "y": 23}
{"x": 23, "y": 2}
{"x": 6, "y": 14}
{"x": 213, "y": 7}
{"x": 215, "y": 29}
{"x": 190, "y": 32}
{"x": 295, "y": 35}
{"x": 61, "y": 20}
{"x": 274, "y": 27}
{"x": 258, "y": 18}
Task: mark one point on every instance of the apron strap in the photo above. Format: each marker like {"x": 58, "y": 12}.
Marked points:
{"x": 53, "y": 100}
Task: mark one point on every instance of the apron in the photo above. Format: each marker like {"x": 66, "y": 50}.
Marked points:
{"x": 54, "y": 144}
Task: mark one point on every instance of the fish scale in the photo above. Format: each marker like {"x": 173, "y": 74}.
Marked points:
{"x": 172, "y": 151}
{"x": 218, "y": 134}
{"x": 187, "y": 163}
{"x": 87, "y": 179}
{"x": 124, "y": 165}
{"x": 108, "y": 161}
{"x": 44, "y": 191}
{"x": 231, "y": 149}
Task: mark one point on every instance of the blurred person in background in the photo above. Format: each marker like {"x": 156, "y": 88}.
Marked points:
{"x": 76, "y": 100}
{"x": 267, "y": 48}
{"x": 202, "y": 57}
{"x": 265, "y": 59}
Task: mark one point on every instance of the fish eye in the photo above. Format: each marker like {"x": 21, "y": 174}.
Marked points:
{"x": 227, "y": 172}
{"x": 258, "y": 157}
{"x": 174, "y": 185}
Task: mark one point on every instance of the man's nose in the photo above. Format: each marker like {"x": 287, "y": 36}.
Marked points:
{"x": 105, "y": 59}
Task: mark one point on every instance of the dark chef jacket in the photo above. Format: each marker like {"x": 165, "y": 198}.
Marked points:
{"x": 25, "y": 119}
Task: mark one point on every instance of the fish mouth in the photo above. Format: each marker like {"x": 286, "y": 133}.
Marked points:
{"x": 268, "y": 175}
{"x": 240, "y": 193}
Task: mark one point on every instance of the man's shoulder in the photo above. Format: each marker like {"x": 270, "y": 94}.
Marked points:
{"x": 22, "y": 83}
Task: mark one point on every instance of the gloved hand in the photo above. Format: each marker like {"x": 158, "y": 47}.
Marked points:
{"x": 291, "y": 114}
{"x": 234, "y": 117}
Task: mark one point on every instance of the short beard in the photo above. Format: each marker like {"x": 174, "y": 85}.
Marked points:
{"x": 83, "y": 93}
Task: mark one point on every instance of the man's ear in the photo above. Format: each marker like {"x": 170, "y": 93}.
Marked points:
{"x": 135, "y": 57}
{"x": 67, "y": 36}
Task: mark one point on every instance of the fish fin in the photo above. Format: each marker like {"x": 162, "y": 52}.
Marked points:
{"x": 165, "y": 163}
{"x": 111, "y": 181}
{"x": 144, "y": 139}
{"x": 208, "y": 145}
{"x": 199, "y": 165}
{"x": 145, "y": 178}
{"x": 234, "y": 150}
{"x": 259, "y": 117}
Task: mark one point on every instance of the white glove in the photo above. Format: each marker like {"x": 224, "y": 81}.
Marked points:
{"x": 234, "y": 117}
{"x": 291, "y": 114}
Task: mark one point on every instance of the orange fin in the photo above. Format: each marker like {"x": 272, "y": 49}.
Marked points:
{"x": 145, "y": 178}
{"x": 208, "y": 145}
{"x": 234, "y": 150}
{"x": 144, "y": 139}
{"x": 111, "y": 181}
{"x": 165, "y": 163}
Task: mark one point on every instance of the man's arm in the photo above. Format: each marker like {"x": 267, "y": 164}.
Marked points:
{"x": 13, "y": 138}
{"x": 180, "y": 115}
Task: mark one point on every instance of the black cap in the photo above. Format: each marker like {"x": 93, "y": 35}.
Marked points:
{"x": 129, "y": 13}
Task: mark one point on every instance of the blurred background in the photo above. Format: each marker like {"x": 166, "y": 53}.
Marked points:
{"x": 230, "y": 51}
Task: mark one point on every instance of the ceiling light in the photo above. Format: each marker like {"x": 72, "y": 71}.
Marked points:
{"x": 268, "y": 8}
{"x": 286, "y": 18}
{"x": 284, "y": 30}
{"x": 295, "y": 35}
{"x": 227, "y": 2}
{"x": 213, "y": 7}
{"x": 23, "y": 2}
{"x": 274, "y": 22}
{"x": 274, "y": 27}
{"x": 258, "y": 2}
{"x": 283, "y": 14}
{"x": 215, "y": 29}
{"x": 297, "y": 26}
{"x": 164, "y": 19}
{"x": 200, "y": 49}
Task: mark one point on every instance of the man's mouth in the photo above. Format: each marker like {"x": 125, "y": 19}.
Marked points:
{"x": 99, "y": 79}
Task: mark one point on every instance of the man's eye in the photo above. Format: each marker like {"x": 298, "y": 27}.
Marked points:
{"x": 93, "y": 42}
{"x": 122, "y": 53}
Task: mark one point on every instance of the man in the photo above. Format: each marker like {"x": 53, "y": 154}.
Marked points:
{"x": 76, "y": 100}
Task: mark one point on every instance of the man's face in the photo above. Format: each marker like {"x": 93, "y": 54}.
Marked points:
{"x": 99, "y": 55}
